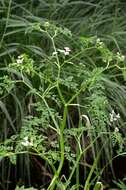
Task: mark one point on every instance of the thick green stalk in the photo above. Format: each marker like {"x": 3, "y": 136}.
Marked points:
{"x": 57, "y": 173}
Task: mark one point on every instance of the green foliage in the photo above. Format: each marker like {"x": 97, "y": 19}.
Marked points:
{"x": 60, "y": 82}
{"x": 23, "y": 188}
{"x": 120, "y": 185}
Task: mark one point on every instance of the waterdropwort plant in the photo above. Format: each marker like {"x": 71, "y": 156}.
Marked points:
{"x": 50, "y": 96}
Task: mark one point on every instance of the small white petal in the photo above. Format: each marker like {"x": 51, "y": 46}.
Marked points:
{"x": 116, "y": 129}
{"x": 19, "y": 61}
{"x": 118, "y": 116}
{"x": 54, "y": 53}
{"x": 111, "y": 120}
{"x": 67, "y": 49}
{"x": 66, "y": 53}
{"x": 115, "y": 119}
{"x": 98, "y": 40}
{"x": 20, "y": 56}
{"x": 27, "y": 143}
{"x": 113, "y": 112}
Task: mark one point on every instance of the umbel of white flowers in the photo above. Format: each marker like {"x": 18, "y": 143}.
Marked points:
{"x": 26, "y": 142}
{"x": 65, "y": 51}
{"x": 20, "y": 59}
{"x": 114, "y": 116}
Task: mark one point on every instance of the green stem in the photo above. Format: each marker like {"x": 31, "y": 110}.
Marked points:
{"x": 87, "y": 184}
{"x": 78, "y": 159}
{"x": 57, "y": 173}
{"x": 79, "y": 91}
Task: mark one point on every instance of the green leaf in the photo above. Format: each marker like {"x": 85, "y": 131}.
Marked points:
{"x": 98, "y": 186}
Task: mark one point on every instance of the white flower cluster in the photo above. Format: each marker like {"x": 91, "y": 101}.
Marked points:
{"x": 99, "y": 42}
{"x": 46, "y": 24}
{"x": 114, "y": 116}
{"x": 26, "y": 142}
{"x": 65, "y": 51}
{"x": 116, "y": 130}
{"x": 20, "y": 59}
{"x": 120, "y": 57}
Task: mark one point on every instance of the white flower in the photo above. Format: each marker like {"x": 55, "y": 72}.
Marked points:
{"x": 54, "y": 53}
{"x": 20, "y": 59}
{"x": 20, "y": 56}
{"x": 114, "y": 116}
{"x": 116, "y": 130}
{"x": 98, "y": 41}
{"x": 65, "y": 51}
{"x": 118, "y": 116}
{"x": 120, "y": 57}
{"x": 46, "y": 24}
{"x": 26, "y": 142}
